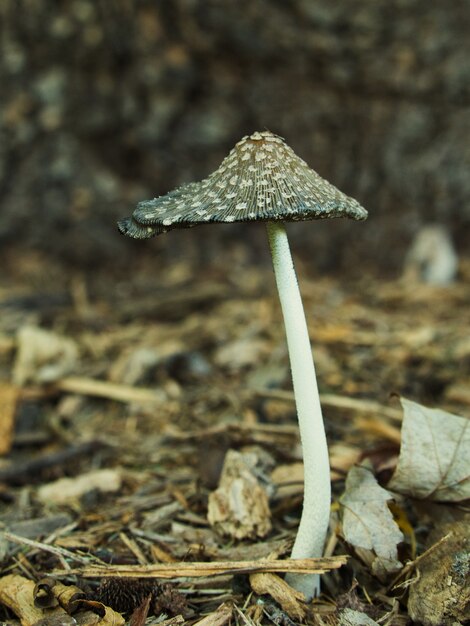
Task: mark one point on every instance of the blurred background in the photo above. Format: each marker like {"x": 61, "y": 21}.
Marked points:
{"x": 107, "y": 102}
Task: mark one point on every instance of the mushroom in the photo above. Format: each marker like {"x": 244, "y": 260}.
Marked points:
{"x": 262, "y": 179}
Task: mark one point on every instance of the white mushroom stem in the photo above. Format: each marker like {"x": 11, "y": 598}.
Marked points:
{"x": 317, "y": 489}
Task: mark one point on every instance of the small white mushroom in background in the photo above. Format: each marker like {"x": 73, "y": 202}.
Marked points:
{"x": 263, "y": 162}
{"x": 431, "y": 258}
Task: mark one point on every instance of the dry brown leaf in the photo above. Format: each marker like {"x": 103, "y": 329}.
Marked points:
{"x": 434, "y": 461}
{"x": 368, "y": 523}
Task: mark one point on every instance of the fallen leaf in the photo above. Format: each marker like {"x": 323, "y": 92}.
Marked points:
{"x": 434, "y": 455}
{"x": 368, "y": 523}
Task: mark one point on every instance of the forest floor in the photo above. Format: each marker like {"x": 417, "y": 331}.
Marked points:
{"x": 148, "y": 431}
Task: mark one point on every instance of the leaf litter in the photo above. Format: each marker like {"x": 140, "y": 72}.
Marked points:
{"x": 159, "y": 389}
{"x": 434, "y": 455}
{"x": 368, "y": 523}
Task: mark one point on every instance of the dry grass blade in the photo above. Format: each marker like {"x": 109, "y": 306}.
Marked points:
{"x": 220, "y": 568}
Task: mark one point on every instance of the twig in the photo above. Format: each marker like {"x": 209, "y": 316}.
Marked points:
{"x": 125, "y": 393}
{"x": 412, "y": 564}
{"x": 104, "y": 389}
{"x": 219, "y": 568}
{"x": 337, "y": 402}
{"x": 60, "y": 552}
{"x": 288, "y": 431}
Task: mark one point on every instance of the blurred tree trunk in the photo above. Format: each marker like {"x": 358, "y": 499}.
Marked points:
{"x": 104, "y": 103}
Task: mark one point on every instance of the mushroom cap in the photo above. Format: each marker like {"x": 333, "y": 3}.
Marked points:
{"x": 262, "y": 179}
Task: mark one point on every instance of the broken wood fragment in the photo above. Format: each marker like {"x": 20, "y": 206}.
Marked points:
{"x": 219, "y": 617}
{"x": 338, "y": 402}
{"x": 291, "y": 601}
{"x": 9, "y": 395}
{"x": 220, "y": 568}
{"x": 17, "y": 593}
{"x": 110, "y": 391}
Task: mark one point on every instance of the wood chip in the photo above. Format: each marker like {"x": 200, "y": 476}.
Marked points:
{"x": 289, "y": 599}
{"x": 218, "y": 618}
{"x": 17, "y": 593}
{"x": 71, "y": 489}
{"x": 8, "y": 401}
{"x": 339, "y": 402}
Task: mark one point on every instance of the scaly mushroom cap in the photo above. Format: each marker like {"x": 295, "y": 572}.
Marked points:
{"x": 262, "y": 179}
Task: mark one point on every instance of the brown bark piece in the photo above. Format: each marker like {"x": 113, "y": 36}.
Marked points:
{"x": 289, "y": 599}
{"x": 67, "y": 596}
{"x": 440, "y": 595}
{"x": 17, "y": 593}
{"x": 108, "y": 618}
